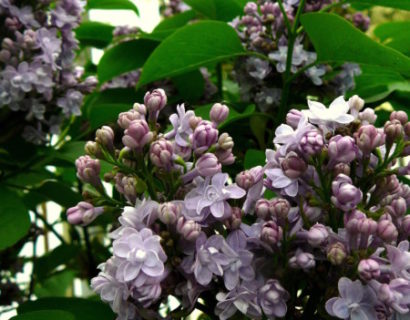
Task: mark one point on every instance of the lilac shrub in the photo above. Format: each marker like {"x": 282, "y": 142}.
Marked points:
{"x": 38, "y": 77}
{"x": 320, "y": 230}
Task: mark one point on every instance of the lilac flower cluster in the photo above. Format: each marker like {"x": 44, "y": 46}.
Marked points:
{"x": 262, "y": 29}
{"x": 228, "y": 247}
{"x": 38, "y": 77}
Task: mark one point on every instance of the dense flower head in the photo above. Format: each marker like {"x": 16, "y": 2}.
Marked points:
{"x": 38, "y": 77}
{"x": 327, "y": 204}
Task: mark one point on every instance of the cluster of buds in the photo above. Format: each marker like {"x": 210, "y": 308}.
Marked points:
{"x": 187, "y": 229}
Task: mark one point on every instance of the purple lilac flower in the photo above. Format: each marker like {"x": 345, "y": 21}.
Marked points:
{"x": 273, "y": 297}
{"x": 181, "y": 126}
{"x": 345, "y": 195}
{"x": 399, "y": 258}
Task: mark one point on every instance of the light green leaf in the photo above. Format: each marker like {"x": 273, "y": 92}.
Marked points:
{"x": 94, "y": 34}
{"x": 224, "y": 10}
{"x": 175, "y": 21}
{"x": 398, "y": 4}
{"x": 112, "y": 5}
{"x": 82, "y": 309}
{"x": 45, "y": 315}
{"x": 346, "y": 43}
{"x": 191, "y": 47}
{"x": 14, "y": 218}
{"x": 395, "y": 34}
{"x": 124, "y": 57}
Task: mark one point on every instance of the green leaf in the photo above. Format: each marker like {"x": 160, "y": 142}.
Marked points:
{"x": 14, "y": 218}
{"x": 112, "y": 5}
{"x": 106, "y": 113}
{"x": 191, "y": 47}
{"x": 176, "y": 21}
{"x": 346, "y": 43}
{"x": 71, "y": 151}
{"x": 224, "y": 10}
{"x": 56, "y": 285}
{"x": 254, "y": 158}
{"x": 45, "y": 315}
{"x": 58, "y": 192}
{"x": 395, "y": 34}
{"x": 94, "y": 34}
{"x": 398, "y": 4}
{"x": 190, "y": 85}
{"x": 124, "y": 57}
{"x": 82, "y": 309}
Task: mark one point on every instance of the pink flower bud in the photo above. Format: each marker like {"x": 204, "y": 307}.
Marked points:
{"x": 342, "y": 149}
{"x": 155, "y": 101}
{"x": 219, "y": 113}
{"x": 407, "y": 129}
{"x": 302, "y": 260}
{"x": 336, "y": 253}
{"x": 125, "y": 118}
{"x": 161, "y": 152}
{"x": 393, "y": 130}
{"x": 194, "y": 121}
{"x": 293, "y": 117}
{"x": 245, "y": 179}
{"x": 367, "y": 226}
{"x": 204, "y": 136}
{"x": 293, "y": 165}
{"x": 126, "y": 185}
{"x": 369, "y": 138}
{"x": 251, "y": 8}
{"x": 271, "y": 233}
{"x": 400, "y": 116}
{"x": 137, "y": 135}
{"x": 368, "y": 269}
{"x": 83, "y": 213}
{"x": 356, "y": 104}
{"x": 208, "y": 165}
{"x": 235, "y": 220}
{"x": 225, "y": 141}
{"x": 188, "y": 229}
{"x": 105, "y": 137}
{"x": 398, "y": 207}
{"x": 168, "y": 212}
{"x": 312, "y": 142}
{"x": 280, "y": 209}
{"x": 141, "y": 109}
{"x": 317, "y": 235}
{"x": 387, "y": 231}
{"x": 341, "y": 168}
{"x": 263, "y": 209}
{"x": 367, "y": 116}
{"x": 225, "y": 157}
{"x": 405, "y": 225}
{"x": 88, "y": 170}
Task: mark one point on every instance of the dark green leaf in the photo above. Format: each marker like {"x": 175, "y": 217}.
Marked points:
{"x": 224, "y": 10}
{"x": 106, "y": 113}
{"x": 254, "y": 158}
{"x": 191, "y": 47}
{"x": 398, "y": 4}
{"x": 59, "y": 193}
{"x": 346, "y": 43}
{"x": 190, "y": 85}
{"x": 82, "y": 309}
{"x": 45, "y": 315}
{"x": 112, "y": 5}
{"x": 14, "y": 218}
{"x": 71, "y": 151}
{"x": 94, "y": 34}
{"x": 124, "y": 57}
{"x": 56, "y": 285}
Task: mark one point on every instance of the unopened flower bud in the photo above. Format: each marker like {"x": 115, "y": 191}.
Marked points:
{"x": 369, "y": 138}
{"x": 366, "y": 226}
{"x": 188, "y": 229}
{"x": 155, "y": 101}
{"x": 293, "y": 165}
{"x": 140, "y": 108}
{"x": 125, "y": 118}
{"x": 235, "y": 220}
{"x": 368, "y": 269}
{"x": 225, "y": 157}
{"x": 312, "y": 142}
{"x": 355, "y": 104}
{"x": 342, "y": 149}
{"x": 83, "y": 213}
{"x": 317, "y": 235}
{"x": 393, "y": 130}
{"x": 367, "y": 116}
{"x": 263, "y": 209}
{"x": 398, "y": 207}
{"x": 271, "y": 233}
{"x": 219, "y": 113}
{"x": 280, "y": 209}
{"x": 225, "y": 141}
{"x": 160, "y": 153}
{"x": 407, "y": 129}
{"x": 245, "y": 179}
{"x": 93, "y": 149}
{"x": 208, "y": 165}
{"x": 168, "y": 212}
{"x": 88, "y": 170}
{"x": 405, "y": 225}
{"x": 387, "y": 231}
{"x": 312, "y": 213}
{"x": 345, "y": 195}
{"x": 204, "y": 136}
{"x": 105, "y": 137}
{"x": 341, "y": 168}
{"x": 251, "y": 8}
{"x": 293, "y": 117}
{"x": 336, "y": 253}
{"x": 302, "y": 260}
{"x": 194, "y": 121}
{"x": 137, "y": 135}
{"x": 400, "y": 116}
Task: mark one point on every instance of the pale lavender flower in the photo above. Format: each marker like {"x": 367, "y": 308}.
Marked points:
{"x": 290, "y": 138}
{"x": 71, "y": 102}
{"x": 395, "y": 294}
{"x": 355, "y": 302}
{"x": 181, "y": 126}
{"x": 399, "y": 258}
{"x": 345, "y": 195}
{"x": 299, "y": 56}
{"x": 342, "y": 149}
{"x": 257, "y": 68}
{"x": 302, "y": 260}
{"x": 272, "y": 298}
{"x": 141, "y": 255}
{"x": 211, "y": 196}
{"x": 49, "y": 44}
